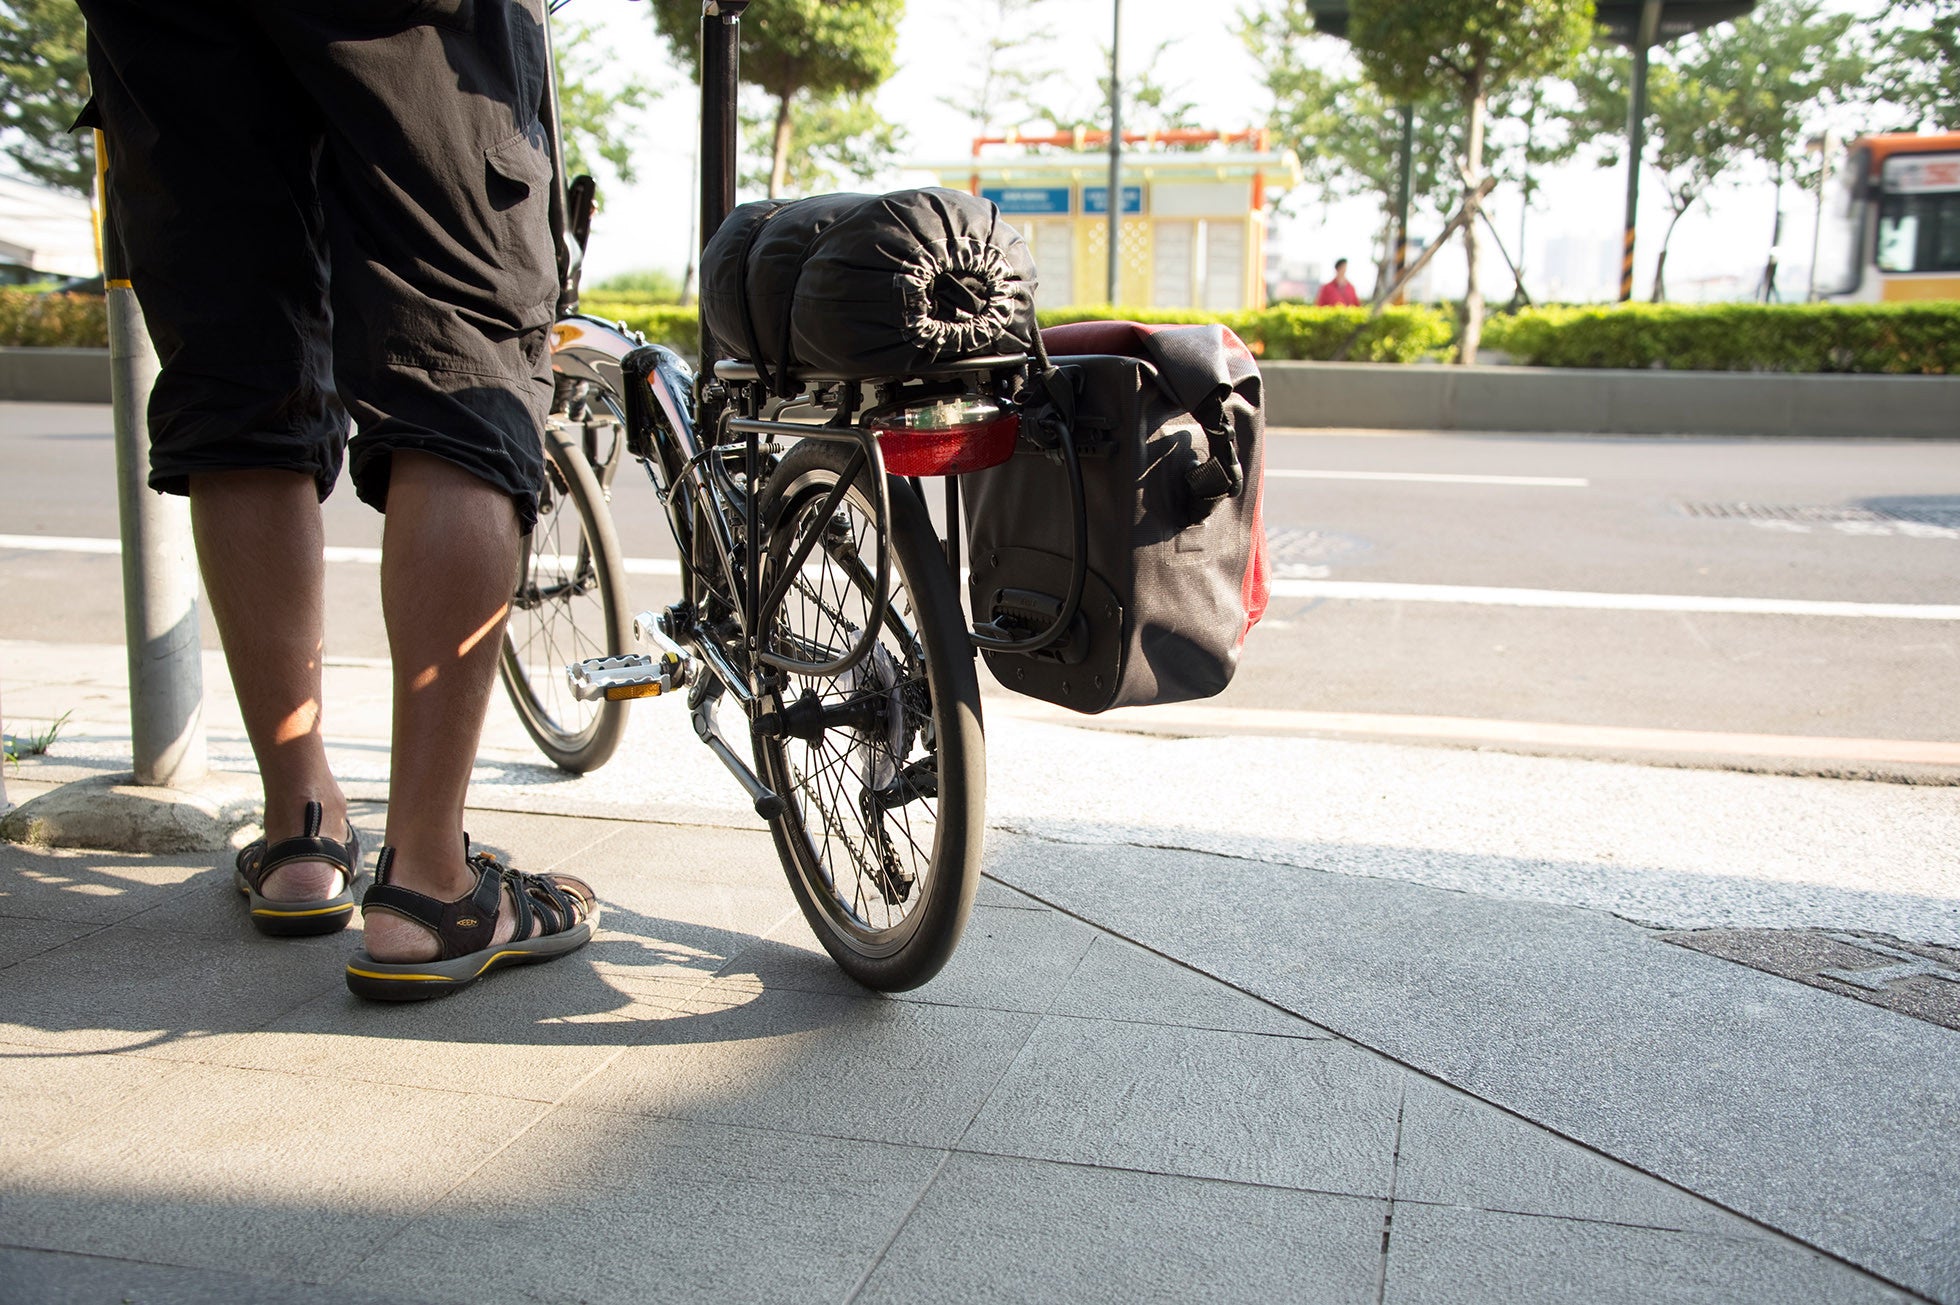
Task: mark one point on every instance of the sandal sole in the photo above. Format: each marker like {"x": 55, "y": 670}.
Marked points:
{"x": 426, "y": 980}
{"x": 299, "y": 919}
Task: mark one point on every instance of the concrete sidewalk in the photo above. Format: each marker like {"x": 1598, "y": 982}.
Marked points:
{"x": 1179, "y": 1056}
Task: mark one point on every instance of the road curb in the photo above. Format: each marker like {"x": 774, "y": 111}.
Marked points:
{"x": 54, "y": 375}
{"x": 1575, "y": 401}
{"x": 112, "y": 813}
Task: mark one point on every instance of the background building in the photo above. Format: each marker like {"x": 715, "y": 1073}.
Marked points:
{"x": 1193, "y": 220}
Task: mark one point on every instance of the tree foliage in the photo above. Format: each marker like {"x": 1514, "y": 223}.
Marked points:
{"x": 1149, "y": 102}
{"x": 1012, "y": 65}
{"x": 839, "y": 141}
{"x": 1695, "y": 136}
{"x": 1476, "y": 48}
{"x": 43, "y": 86}
{"x": 820, "y": 50}
{"x": 593, "y": 113}
{"x": 1919, "y": 65}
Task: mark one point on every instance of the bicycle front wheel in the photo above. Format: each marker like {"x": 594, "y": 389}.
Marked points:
{"x": 882, "y": 767}
{"x": 570, "y": 605}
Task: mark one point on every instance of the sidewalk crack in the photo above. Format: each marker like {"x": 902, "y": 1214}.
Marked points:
{"x": 1394, "y": 1175}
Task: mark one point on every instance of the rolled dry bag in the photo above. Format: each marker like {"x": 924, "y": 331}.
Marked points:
{"x": 867, "y": 286}
{"x": 1169, "y": 429}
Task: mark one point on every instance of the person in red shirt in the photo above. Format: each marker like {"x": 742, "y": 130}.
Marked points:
{"x": 1338, "y": 293}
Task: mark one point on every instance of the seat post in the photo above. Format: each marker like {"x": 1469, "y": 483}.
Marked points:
{"x": 721, "y": 40}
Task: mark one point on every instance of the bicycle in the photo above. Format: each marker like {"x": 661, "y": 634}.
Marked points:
{"x": 817, "y": 594}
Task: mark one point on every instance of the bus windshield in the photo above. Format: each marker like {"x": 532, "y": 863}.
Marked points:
{"x": 1919, "y": 215}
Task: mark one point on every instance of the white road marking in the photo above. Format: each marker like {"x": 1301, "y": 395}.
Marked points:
{"x": 1429, "y": 478}
{"x": 1481, "y": 596}
{"x": 1181, "y": 718}
{"x": 333, "y": 552}
{"x": 1351, "y": 590}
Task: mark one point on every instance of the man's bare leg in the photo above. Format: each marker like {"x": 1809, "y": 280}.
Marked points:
{"x": 259, "y": 541}
{"x": 448, "y": 567}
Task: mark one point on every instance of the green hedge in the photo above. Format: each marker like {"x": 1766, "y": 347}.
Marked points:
{"x": 1890, "y": 339}
{"x": 1292, "y": 332}
{"x": 667, "y": 324}
{"x": 37, "y": 320}
{"x": 1287, "y": 332}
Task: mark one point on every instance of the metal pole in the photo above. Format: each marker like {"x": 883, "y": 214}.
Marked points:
{"x": 1643, "y": 41}
{"x": 1115, "y": 147}
{"x": 1404, "y": 186}
{"x": 159, "y": 560}
{"x": 1825, "y": 145}
{"x": 721, "y": 44}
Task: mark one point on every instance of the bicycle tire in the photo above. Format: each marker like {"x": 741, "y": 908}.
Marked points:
{"x": 835, "y": 787}
{"x": 570, "y": 605}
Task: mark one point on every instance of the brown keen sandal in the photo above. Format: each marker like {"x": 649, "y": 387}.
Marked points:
{"x": 256, "y": 860}
{"x": 555, "y": 915}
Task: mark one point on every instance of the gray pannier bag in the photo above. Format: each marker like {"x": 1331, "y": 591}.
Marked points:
{"x": 1169, "y": 430}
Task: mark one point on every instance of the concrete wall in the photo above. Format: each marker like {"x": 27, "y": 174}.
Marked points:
{"x": 1530, "y": 399}
{"x": 55, "y": 375}
{"x": 1570, "y": 401}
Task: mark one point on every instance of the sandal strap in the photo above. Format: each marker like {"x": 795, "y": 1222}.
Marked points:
{"x": 463, "y": 926}
{"x": 468, "y": 924}
{"x": 309, "y": 846}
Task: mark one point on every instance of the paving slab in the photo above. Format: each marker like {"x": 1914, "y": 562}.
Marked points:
{"x": 162, "y": 993}
{"x": 999, "y": 1229}
{"x": 22, "y": 938}
{"x": 1442, "y": 1256}
{"x": 598, "y": 1207}
{"x": 1457, "y": 1150}
{"x": 54, "y": 1278}
{"x": 1008, "y": 959}
{"x": 1826, "y": 1118}
{"x": 244, "y": 1174}
{"x": 859, "y": 1067}
{"x": 1118, "y": 981}
{"x": 91, "y": 887}
{"x": 1282, "y": 1111}
{"x": 45, "y": 1096}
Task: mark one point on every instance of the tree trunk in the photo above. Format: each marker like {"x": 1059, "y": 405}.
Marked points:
{"x": 1660, "y": 266}
{"x": 1473, "y": 299}
{"x": 779, "y": 152}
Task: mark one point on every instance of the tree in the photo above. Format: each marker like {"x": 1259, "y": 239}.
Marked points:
{"x": 817, "y": 49}
{"x": 1346, "y": 133}
{"x": 43, "y": 86}
{"x": 591, "y": 115}
{"x": 1010, "y": 65}
{"x": 1919, "y": 67}
{"x": 1149, "y": 103}
{"x": 839, "y": 140}
{"x": 1787, "y": 64}
{"x": 1694, "y": 133}
{"x": 1410, "y": 47}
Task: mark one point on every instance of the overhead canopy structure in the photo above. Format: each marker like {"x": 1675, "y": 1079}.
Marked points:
{"x": 1678, "y": 18}
{"x": 1640, "y": 24}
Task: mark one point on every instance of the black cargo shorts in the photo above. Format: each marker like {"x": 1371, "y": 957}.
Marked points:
{"x": 334, "y": 207}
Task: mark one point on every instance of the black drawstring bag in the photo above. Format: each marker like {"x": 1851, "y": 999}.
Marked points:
{"x": 867, "y": 286}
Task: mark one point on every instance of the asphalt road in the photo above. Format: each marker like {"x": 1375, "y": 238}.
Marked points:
{"x": 1413, "y": 576}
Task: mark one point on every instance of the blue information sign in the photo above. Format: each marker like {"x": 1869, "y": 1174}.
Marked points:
{"x": 1095, "y": 199}
{"x": 1028, "y": 199}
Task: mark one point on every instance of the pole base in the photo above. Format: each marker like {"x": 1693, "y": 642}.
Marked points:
{"x": 112, "y": 813}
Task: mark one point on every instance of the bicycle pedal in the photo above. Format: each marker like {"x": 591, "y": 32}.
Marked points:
{"x": 635, "y": 675}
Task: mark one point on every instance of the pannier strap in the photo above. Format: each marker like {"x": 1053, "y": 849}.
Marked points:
{"x": 1201, "y": 367}
{"x": 753, "y": 344}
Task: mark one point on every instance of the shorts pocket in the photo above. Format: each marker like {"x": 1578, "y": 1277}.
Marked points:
{"x": 518, "y": 176}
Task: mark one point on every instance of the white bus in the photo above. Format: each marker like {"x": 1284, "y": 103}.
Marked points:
{"x": 1890, "y": 230}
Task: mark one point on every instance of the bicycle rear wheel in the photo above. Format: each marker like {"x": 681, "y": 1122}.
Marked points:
{"x": 882, "y": 767}
{"x": 570, "y": 605}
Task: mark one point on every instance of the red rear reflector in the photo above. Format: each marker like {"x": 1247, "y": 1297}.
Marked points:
{"x": 950, "y": 451}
